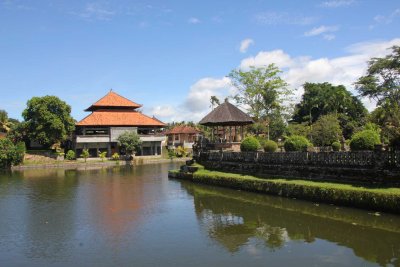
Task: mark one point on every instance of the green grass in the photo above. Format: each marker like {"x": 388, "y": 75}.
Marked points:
{"x": 373, "y": 198}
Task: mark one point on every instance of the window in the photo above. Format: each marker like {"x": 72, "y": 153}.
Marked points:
{"x": 176, "y": 137}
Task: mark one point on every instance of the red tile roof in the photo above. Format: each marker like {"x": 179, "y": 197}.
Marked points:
{"x": 113, "y": 99}
{"x": 183, "y": 129}
{"x": 119, "y": 118}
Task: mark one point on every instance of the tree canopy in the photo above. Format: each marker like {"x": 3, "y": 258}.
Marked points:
{"x": 48, "y": 120}
{"x": 130, "y": 141}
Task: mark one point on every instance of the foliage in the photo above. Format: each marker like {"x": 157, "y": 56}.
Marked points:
{"x": 70, "y": 155}
{"x": 382, "y": 80}
{"x": 296, "y": 143}
{"x": 326, "y": 130}
{"x": 103, "y": 155}
{"x": 181, "y": 151}
{"x": 11, "y": 154}
{"x": 130, "y": 141}
{"x": 324, "y": 98}
{"x": 115, "y": 156}
{"x": 250, "y": 143}
{"x": 5, "y": 123}
{"x": 214, "y": 101}
{"x": 171, "y": 153}
{"x": 270, "y": 146}
{"x": 302, "y": 129}
{"x": 18, "y": 132}
{"x": 384, "y": 199}
{"x": 261, "y": 89}
{"x": 364, "y": 140}
{"x": 85, "y": 154}
{"x": 48, "y": 120}
{"x": 336, "y": 146}
{"x": 387, "y": 116}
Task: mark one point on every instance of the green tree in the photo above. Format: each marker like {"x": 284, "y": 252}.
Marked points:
{"x": 11, "y": 154}
{"x": 326, "y": 130}
{"x": 130, "y": 141}
{"x": 214, "y": 101}
{"x": 85, "y": 154}
{"x": 324, "y": 98}
{"x": 382, "y": 81}
{"x": 48, "y": 120}
{"x": 261, "y": 89}
{"x": 103, "y": 155}
{"x": 5, "y": 123}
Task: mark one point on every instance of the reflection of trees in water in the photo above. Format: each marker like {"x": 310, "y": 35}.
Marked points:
{"x": 278, "y": 220}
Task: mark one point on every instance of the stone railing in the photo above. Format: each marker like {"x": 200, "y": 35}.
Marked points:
{"x": 363, "y": 166}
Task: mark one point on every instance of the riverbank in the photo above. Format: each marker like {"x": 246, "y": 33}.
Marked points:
{"x": 371, "y": 198}
{"x": 94, "y": 163}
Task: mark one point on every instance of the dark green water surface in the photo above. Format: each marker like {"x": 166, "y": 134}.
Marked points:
{"x": 136, "y": 216}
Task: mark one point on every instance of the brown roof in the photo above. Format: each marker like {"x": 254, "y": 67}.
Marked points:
{"x": 119, "y": 118}
{"x": 113, "y": 100}
{"x": 226, "y": 114}
{"x": 183, "y": 129}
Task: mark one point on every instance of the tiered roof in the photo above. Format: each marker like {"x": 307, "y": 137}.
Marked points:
{"x": 116, "y": 110}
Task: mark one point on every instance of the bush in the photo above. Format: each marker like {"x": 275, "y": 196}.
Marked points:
{"x": 85, "y": 154}
{"x": 181, "y": 152}
{"x": 103, "y": 155}
{"x": 250, "y": 144}
{"x": 11, "y": 154}
{"x": 171, "y": 153}
{"x": 270, "y": 146}
{"x": 70, "y": 155}
{"x": 296, "y": 143}
{"x": 364, "y": 140}
{"x": 115, "y": 156}
{"x": 336, "y": 146}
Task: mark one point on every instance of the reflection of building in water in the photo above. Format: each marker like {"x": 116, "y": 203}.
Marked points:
{"x": 233, "y": 218}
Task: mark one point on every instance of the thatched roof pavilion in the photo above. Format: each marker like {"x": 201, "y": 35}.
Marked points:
{"x": 230, "y": 119}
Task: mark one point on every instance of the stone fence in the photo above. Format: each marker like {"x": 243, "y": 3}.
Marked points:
{"x": 376, "y": 166}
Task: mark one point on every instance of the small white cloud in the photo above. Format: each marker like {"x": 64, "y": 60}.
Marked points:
{"x": 95, "y": 11}
{"x": 244, "y": 45}
{"x": 337, "y": 3}
{"x": 279, "y": 18}
{"x": 388, "y": 18}
{"x": 320, "y": 30}
{"x": 193, "y": 20}
{"x": 329, "y": 37}
{"x": 163, "y": 111}
{"x": 264, "y": 58}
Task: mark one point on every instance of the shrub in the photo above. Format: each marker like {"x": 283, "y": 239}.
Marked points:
{"x": 336, "y": 146}
{"x": 85, "y": 154}
{"x": 103, "y": 155}
{"x": 270, "y": 146}
{"x": 181, "y": 152}
{"x": 250, "y": 144}
{"x": 171, "y": 153}
{"x": 11, "y": 154}
{"x": 364, "y": 140}
{"x": 296, "y": 143}
{"x": 70, "y": 155}
{"x": 115, "y": 156}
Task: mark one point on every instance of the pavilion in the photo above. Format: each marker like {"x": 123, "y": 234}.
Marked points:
{"x": 226, "y": 122}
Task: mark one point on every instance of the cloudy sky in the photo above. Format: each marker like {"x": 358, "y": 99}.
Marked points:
{"x": 171, "y": 56}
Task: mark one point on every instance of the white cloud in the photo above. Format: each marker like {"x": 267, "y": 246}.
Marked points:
{"x": 279, "y": 18}
{"x": 193, "y": 20}
{"x": 95, "y": 11}
{"x": 329, "y": 37}
{"x": 320, "y": 30}
{"x": 163, "y": 111}
{"x": 337, "y": 3}
{"x": 388, "y": 18}
{"x": 340, "y": 70}
{"x": 244, "y": 45}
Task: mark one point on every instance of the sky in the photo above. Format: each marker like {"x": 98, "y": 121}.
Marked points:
{"x": 172, "y": 56}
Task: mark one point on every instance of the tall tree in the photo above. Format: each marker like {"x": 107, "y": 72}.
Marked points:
{"x": 261, "y": 90}
{"x": 5, "y": 123}
{"x": 382, "y": 81}
{"x": 48, "y": 120}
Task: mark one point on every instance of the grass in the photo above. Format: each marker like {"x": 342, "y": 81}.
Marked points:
{"x": 372, "y": 198}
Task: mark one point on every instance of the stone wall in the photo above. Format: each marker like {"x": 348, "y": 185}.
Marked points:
{"x": 366, "y": 166}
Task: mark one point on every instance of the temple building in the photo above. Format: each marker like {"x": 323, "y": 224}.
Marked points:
{"x": 182, "y": 135}
{"x": 111, "y": 116}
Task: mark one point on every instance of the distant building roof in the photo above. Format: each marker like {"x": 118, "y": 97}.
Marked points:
{"x": 183, "y": 129}
{"x": 226, "y": 114}
{"x": 113, "y": 100}
{"x": 119, "y": 118}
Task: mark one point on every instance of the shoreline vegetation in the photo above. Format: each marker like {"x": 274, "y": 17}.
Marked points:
{"x": 93, "y": 162}
{"x": 384, "y": 199}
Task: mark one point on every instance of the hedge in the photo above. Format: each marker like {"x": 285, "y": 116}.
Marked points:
{"x": 296, "y": 143}
{"x": 250, "y": 144}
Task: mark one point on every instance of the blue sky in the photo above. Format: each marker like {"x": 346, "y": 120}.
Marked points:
{"x": 171, "y": 56}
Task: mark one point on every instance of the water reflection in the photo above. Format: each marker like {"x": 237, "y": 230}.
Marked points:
{"x": 233, "y": 219}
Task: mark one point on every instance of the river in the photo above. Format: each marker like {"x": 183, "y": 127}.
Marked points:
{"x": 136, "y": 216}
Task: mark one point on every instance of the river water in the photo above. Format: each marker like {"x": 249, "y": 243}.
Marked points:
{"x": 136, "y": 216}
